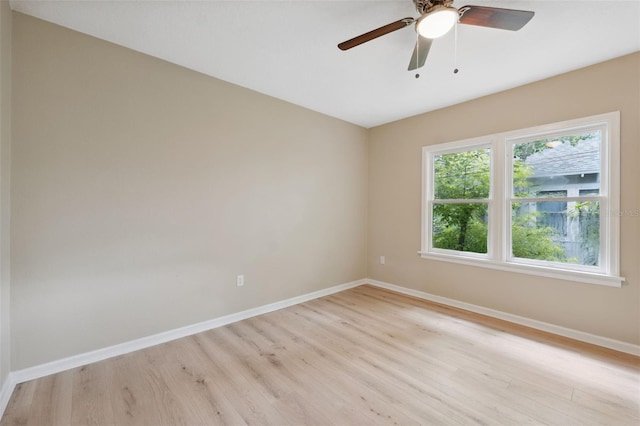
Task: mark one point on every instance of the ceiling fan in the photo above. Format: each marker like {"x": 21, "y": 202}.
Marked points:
{"x": 437, "y": 17}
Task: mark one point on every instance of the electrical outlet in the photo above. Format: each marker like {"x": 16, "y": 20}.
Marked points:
{"x": 382, "y": 260}
{"x": 240, "y": 280}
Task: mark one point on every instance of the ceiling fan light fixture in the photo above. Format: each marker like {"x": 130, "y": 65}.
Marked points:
{"x": 437, "y": 22}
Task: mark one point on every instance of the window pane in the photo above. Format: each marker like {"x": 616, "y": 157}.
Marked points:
{"x": 553, "y": 214}
{"x": 462, "y": 175}
{"x": 546, "y": 167}
{"x": 461, "y": 227}
{"x": 589, "y": 192}
{"x": 559, "y": 232}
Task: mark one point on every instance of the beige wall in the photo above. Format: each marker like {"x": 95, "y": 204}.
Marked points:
{"x": 140, "y": 190}
{"x": 5, "y": 175}
{"x": 395, "y": 201}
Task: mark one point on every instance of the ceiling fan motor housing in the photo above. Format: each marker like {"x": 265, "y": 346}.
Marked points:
{"x": 425, "y": 6}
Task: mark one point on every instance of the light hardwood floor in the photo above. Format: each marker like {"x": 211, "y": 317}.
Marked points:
{"x": 363, "y": 356}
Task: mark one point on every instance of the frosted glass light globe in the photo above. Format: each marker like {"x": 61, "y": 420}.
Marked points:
{"x": 438, "y": 22}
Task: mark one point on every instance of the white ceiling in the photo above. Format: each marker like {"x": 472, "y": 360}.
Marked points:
{"x": 287, "y": 49}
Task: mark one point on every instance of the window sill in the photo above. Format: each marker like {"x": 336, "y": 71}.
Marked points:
{"x": 561, "y": 274}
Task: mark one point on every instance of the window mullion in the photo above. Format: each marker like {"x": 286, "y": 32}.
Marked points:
{"x": 496, "y": 216}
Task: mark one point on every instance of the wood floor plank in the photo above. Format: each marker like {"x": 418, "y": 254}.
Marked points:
{"x": 200, "y": 386}
{"x": 52, "y": 399}
{"x": 339, "y": 386}
{"x": 363, "y": 356}
{"x": 622, "y": 405}
{"x": 91, "y": 395}
{"x": 370, "y": 395}
{"x": 249, "y": 399}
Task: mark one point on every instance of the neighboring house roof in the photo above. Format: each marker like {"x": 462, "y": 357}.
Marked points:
{"x": 565, "y": 159}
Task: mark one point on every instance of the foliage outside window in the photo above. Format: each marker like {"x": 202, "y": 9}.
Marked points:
{"x": 461, "y": 200}
{"x": 536, "y": 200}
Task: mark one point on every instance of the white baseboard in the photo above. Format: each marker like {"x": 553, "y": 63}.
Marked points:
{"x": 538, "y": 325}
{"x": 74, "y": 361}
{"x": 5, "y": 393}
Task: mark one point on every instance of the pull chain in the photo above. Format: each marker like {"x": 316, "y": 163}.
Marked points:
{"x": 455, "y": 49}
{"x": 417, "y": 52}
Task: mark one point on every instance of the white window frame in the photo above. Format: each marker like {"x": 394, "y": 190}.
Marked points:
{"x": 452, "y": 148}
{"x": 498, "y": 254}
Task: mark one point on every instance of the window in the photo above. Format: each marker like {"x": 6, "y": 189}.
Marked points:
{"x": 461, "y": 200}
{"x": 538, "y": 200}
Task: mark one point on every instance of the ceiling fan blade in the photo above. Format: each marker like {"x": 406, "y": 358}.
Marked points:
{"x": 494, "y": 17}
{"x": 378, "y": 32}
{"x": 420, "y": 53}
